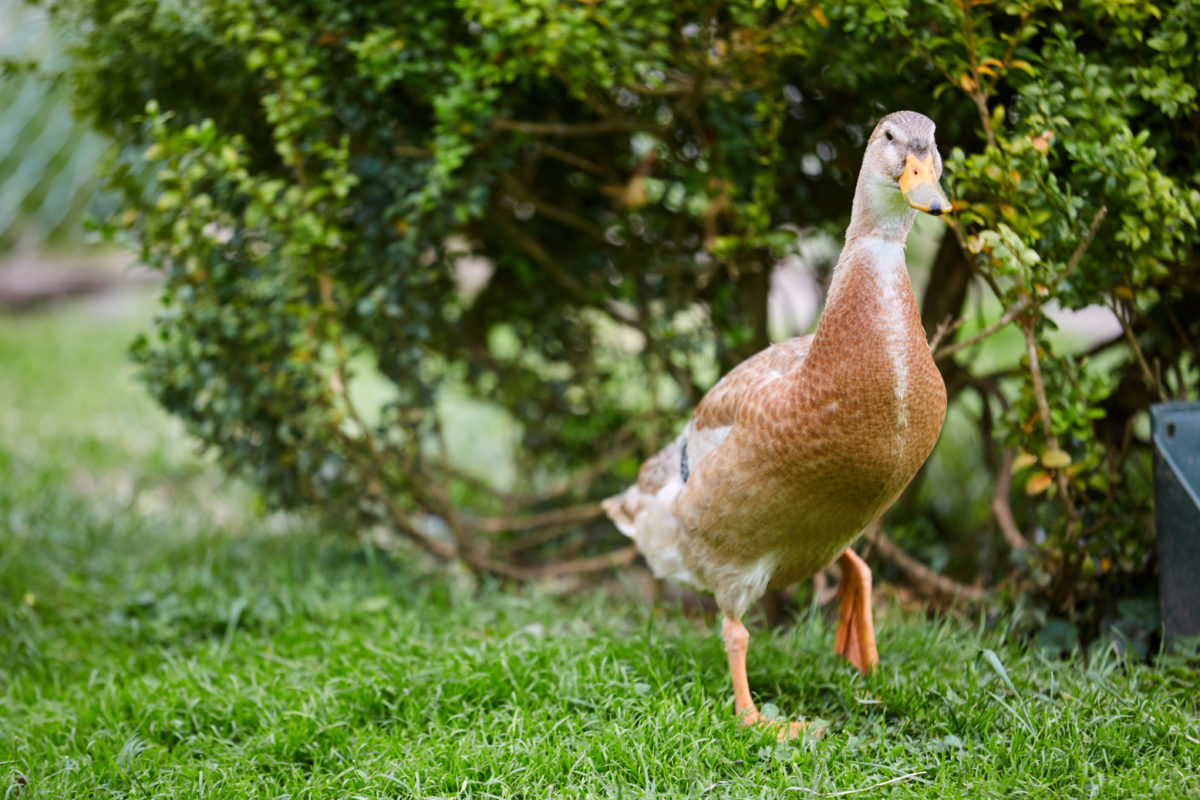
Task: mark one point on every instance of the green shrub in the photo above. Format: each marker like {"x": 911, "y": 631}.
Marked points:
{"x": 313, "y": 178}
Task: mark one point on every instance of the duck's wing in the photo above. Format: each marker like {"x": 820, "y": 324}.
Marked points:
{"x": 644, "y": 511}
{"x": 718, "y": 410}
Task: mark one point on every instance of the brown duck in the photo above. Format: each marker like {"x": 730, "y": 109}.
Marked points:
{"x": 793, "y": 453}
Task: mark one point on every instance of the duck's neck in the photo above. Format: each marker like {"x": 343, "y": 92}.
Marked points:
{"x": 870, "y": 282}
{"x": 870, "y": 300}
{"x": 870, "y": 331}
{"x": 879, "y": 211}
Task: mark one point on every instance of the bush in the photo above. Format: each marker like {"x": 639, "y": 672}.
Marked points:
{"x": 319, "y": 180}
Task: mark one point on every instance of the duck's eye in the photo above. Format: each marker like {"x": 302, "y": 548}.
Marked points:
{"x": 889, "y": 136}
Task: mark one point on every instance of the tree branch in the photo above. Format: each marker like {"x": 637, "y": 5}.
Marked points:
{"x": 616, "y": 558}
{"x": 556, "y": 213}
{"x": 598, "y": 128}
{"x": 946, "y": 327}
{"x": 1008, "y": 317}
{"x": 618, "y": 311}
{"x": 921, "y": 577}
{"x": 572, "y": 159}
{"x": 1086, "y": 241}
{"x": 1039, "y": 394}
{"x": 1151, "y": 378}
{"x": 1002, "y": 509}
{"x": 558, "y": 516}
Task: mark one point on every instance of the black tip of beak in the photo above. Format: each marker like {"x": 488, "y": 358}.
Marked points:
{"x": 935, "y": 207}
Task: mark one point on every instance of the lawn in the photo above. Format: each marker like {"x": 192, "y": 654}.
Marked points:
{"x": 160, "y": 636}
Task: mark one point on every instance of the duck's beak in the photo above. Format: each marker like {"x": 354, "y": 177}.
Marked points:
{"x": 919, "y": 185}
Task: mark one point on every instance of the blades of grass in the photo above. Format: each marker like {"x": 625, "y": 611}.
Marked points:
{"x": 235, "y": 614}
{"x": 994, "y": 662}
{"x": 1017, "y": 713}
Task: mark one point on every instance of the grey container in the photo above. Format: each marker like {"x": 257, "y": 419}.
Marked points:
{"x": 1176, "y": 428}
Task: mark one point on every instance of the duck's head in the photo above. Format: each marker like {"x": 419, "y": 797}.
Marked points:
{"x": 900, "y": 172}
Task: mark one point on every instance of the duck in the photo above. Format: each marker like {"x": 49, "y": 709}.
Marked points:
{"x": 793, "y": 453}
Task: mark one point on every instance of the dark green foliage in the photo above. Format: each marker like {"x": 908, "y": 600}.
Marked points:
{"x": 312, "y": 176}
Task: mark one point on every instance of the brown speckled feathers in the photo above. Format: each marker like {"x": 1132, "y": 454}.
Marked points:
{"x": 720, "y": 405}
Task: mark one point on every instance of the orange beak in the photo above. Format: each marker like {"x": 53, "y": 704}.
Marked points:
{"x": 919, "y": 185}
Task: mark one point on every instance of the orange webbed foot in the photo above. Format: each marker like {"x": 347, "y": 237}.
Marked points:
{"x": 784, "y": 731}
{"x": 856, "y": 629}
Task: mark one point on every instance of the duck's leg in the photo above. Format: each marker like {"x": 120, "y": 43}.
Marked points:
{"x": 856, "y": 630}
{"x": 737, "y": 642}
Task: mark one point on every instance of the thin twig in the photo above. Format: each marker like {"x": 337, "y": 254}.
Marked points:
{"x": 617, "y": 558}
{"x": 534, "y": 249}
{"x": 571, "y": 220}
{"x": 620, "y": 312}
{"x": 558, "y": 516}
{"x": 597, "y": 105}
{"x": 1039, "y": 389}
{"x": 946, "y": 327}
{"x": 1086, "y": 242}
{"x": 977, "y": 93}
{"x": 968, "y": 256}
{"x": 532, "y": 540}
{"x": 399, "y": 517}
{"x": 1008, "y": 317}
{"x": 408, "y": 151}
{"x": 1012, "y": 47}
{"x": 573, "y": 129}
{"x": 1137, "y": 351}
{"x": 1002, "y": 509}
{"x": 625, "y": 445}
{"x": 1039, "y": 394}
{"x": 572, "y": 159}
{"x": 374, "y": 469}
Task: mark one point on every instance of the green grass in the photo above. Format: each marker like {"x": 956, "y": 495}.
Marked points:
{"x": 160, "y": 637}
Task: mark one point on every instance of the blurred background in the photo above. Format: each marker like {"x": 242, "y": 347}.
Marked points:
{"x": 70, "y": 303}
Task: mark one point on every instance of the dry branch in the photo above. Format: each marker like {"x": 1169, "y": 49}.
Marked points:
{"x": 1008, "y": 317}
{"x": 946, "y": 327}
{"x": 1039, "y": 394}
{"x": 1086, "y": 242}
{"x": 1001, "y": 509}
{"x": 616, "y": 558}
{"x": 572, "y": 159}
{"x": 573, "y": 129}
{"x": 512, "y": 184}
{"x": 559, "y": 516}
{"x": 922, "y": 578}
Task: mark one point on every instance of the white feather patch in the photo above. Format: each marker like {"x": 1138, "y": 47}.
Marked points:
{"x": 747, "y": 585}
{"x": 702, "y": 442}
{"x": 888, "y": 267}
{"x": 656, "y": 532}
